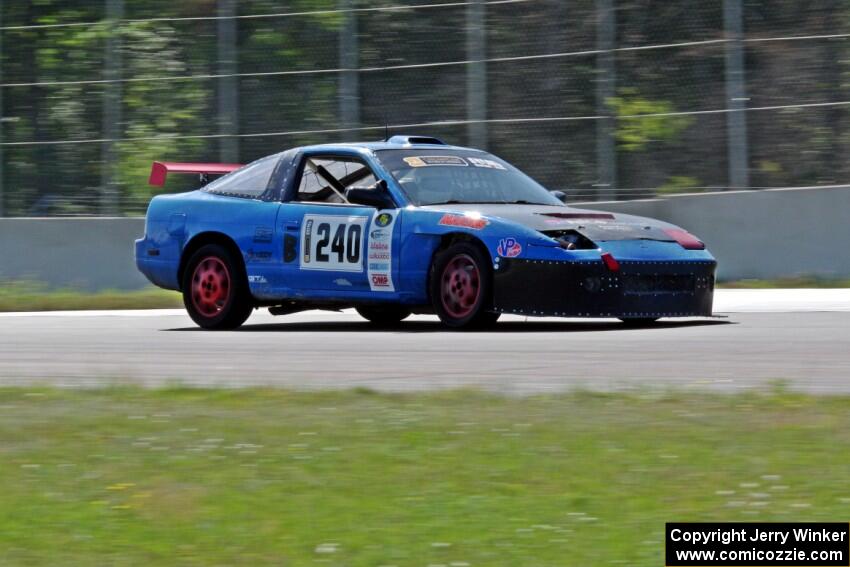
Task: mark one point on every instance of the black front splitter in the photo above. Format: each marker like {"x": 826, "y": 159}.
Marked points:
{"x": 639, "y": 289}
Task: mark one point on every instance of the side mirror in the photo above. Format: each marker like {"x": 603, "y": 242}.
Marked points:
{"x": 377, "y": 197}
{"x": 560, "y": 195}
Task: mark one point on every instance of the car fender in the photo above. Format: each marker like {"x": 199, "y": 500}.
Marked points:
{"x": 425, "y": 231}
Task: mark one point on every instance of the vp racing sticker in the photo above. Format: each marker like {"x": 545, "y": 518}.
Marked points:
{"x": 380, "y": 254}
{"x": 509, "y": 248}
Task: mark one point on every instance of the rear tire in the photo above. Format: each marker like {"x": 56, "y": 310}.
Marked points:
{"x": 215, "y": 289}
{"x": 384, "y": 315}
{"x": 461, "y": 287}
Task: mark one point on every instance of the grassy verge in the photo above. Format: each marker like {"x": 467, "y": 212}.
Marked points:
{"x": 264, "y": 477}
{"x": 789, "y": 283}
{"x": 27, "y": 296}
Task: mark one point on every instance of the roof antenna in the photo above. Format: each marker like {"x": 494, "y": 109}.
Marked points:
{"x": 386, "y": 132}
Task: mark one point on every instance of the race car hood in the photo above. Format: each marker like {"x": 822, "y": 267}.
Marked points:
{"x": 595, "y": 225}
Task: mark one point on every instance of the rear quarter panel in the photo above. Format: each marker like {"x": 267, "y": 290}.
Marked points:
{"x": 174, "y": 220}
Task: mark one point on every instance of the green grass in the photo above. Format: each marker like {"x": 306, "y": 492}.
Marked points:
{"x": 267, "y": 477}
{"x": 789, "y": 283}
{"x": 30, "y": 296}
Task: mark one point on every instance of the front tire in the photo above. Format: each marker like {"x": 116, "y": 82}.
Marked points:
{"x": 215, "y": 289}
{"x": 384, "y": 315}
{"x": 461, "y": 287}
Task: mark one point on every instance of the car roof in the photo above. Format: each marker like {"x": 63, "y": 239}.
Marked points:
{"x": 398, "y": 142}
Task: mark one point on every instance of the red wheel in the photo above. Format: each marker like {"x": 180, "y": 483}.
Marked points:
{"x": 210, "y": 286}
{"x": 215, "y": 289}
{"x": 460, "y": 286}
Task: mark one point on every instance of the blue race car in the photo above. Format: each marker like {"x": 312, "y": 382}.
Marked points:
{"x": 409, "y": 225}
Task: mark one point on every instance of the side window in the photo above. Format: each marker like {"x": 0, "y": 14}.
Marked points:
{"x": 326, "y": 179}
{"x": 250, "y": 181}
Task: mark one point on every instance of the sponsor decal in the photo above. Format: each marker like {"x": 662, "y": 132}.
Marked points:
{"x": 424, "y": 161}
{"x": 257, "y": 279}
{"x": 380, "y": 251}
{"x": 488, "y": 163}
{"x": 333, "y": 243}
{"x": 258, "y": 255}
{"x": 464, "y": 221}
{"x": 381, "y": 281}
{"x": 263, "y": 234}
{"x": 509, "y": 248}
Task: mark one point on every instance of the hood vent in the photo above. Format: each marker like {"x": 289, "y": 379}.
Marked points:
{"x": 579, "y": 216}
{"x": 571, "y": 239}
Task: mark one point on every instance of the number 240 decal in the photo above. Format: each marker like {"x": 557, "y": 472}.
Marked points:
{"x": 332, "y": 243}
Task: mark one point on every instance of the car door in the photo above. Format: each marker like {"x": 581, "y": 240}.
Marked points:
{"x": 326, "y": 238}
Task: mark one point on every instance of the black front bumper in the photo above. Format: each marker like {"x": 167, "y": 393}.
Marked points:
{"x": 640, "y": 289}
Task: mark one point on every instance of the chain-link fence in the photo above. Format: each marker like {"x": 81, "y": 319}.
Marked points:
{"x": 602, "y": 99}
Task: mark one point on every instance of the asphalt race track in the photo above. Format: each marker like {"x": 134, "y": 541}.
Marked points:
{"x": 800, "y": 337}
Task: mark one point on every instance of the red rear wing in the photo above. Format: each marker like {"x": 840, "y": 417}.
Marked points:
{"x": 161, "y": 169}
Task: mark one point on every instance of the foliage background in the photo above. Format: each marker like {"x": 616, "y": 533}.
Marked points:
{"x": 794, "y": 146}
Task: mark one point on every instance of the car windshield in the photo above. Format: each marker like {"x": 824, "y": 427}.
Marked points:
{"x": 436, "y": 177}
